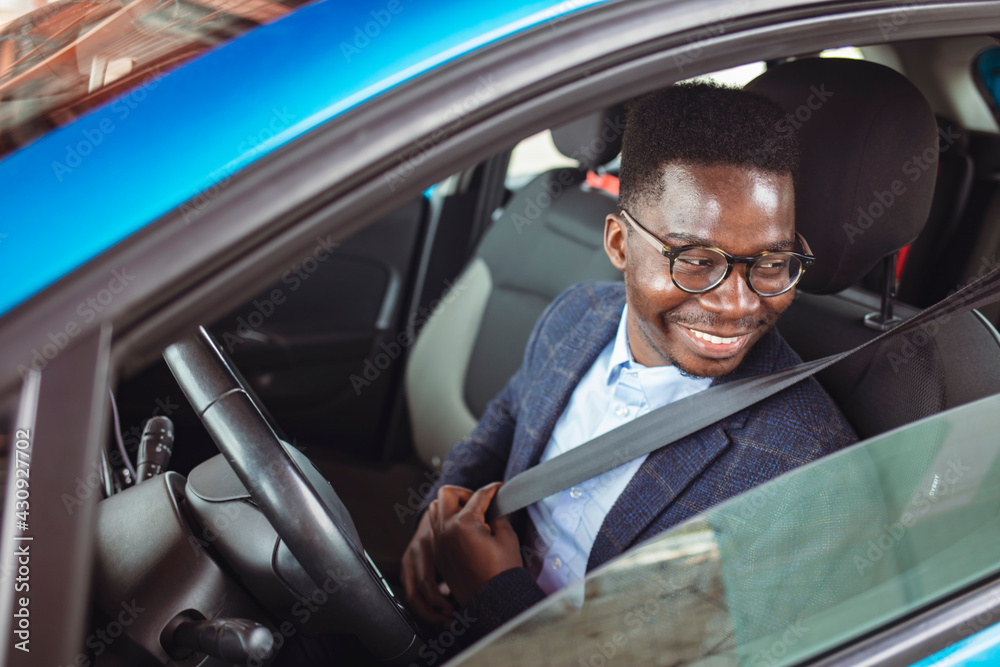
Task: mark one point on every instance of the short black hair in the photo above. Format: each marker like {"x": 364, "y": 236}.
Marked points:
{"x": 701, "y": 124}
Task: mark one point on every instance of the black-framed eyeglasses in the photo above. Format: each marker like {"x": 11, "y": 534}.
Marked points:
{"x": 697, "y": 269}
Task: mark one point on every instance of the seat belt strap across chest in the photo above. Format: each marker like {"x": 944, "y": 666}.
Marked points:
{"x": 688, "y": 415}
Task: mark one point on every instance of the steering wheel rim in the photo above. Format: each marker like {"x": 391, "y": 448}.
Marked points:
{"x": 314, "y": 525}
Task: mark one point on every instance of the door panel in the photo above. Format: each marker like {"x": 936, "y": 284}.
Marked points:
{"x": 309, "y": 344}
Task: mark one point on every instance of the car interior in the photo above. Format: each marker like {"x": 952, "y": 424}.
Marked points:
{"x": 372, "y": 357}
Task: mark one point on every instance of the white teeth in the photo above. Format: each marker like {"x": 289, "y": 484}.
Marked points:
{"x": 714, "y": 339}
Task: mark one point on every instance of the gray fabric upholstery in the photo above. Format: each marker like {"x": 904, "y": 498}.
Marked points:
{"x": 843, "y": 166}
{"x": 549, "y": 237}
{"x": 899, "y": 381}
{"x": 860, "y": 126}
{"x": 439, "y": 362}
{"x": 594, "y": 139}
{"x": 531, "y": 264}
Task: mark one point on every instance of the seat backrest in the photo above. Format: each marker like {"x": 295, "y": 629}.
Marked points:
{"x": 867, "y": 174}
{"x": 549, "y": 237}
{"x": 930, "y": 270}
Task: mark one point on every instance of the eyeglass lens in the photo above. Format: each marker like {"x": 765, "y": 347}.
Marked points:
{"x": 700, "y": 269}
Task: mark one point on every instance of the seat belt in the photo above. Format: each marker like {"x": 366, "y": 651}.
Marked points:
{"x": 693, "y": 413}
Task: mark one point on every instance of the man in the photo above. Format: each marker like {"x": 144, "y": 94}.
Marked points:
{"x": 704, "y": 169}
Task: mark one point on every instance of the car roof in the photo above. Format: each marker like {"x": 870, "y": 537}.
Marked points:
{"x": 84, "y": 187}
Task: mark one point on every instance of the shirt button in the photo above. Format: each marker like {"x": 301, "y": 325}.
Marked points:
{"x": 576, "y": 492}
{"x": 622, "y": 411}
{"x": 556, "y": 563}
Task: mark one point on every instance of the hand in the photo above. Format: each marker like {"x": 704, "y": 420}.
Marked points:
{"x": 468, "y": 551}
{"x": 423, "y": 593}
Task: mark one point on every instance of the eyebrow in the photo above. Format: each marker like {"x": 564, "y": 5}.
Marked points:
{"x": 691, "y": 239}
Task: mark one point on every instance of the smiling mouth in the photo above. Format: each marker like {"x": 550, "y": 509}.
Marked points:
{"x": 714, "y": 346}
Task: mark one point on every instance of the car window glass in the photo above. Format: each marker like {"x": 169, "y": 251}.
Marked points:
{"x": 987, "y": 74}
{"x": 531, "y": 157}
{"x": 807, "y": 562}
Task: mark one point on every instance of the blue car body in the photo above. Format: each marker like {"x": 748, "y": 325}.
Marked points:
{"x": 86, "y": 186}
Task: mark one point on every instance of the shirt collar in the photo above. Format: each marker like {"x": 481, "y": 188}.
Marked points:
{"x": 621, "y": 353}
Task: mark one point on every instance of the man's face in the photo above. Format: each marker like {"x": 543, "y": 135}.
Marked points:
{"x": 741, "y": 210}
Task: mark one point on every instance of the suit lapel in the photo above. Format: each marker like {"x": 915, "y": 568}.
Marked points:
{"x": 562, "y": 371}
{"x": 667, "y": 471}
{"x": 664, "y": 474}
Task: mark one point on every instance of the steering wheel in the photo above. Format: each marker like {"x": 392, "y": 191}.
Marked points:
{"x": 299, "y": 503}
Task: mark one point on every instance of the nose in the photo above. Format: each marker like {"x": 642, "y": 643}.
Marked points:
{"x": 733, "y": 299}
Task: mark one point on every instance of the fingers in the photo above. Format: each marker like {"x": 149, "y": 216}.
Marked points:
{"x": 435, "y": 518}
{"x": 421, "y": 587}
{"x": 413, "y": 596}
{"x": 451, "y": 498}
{"x": 481, "y": 499}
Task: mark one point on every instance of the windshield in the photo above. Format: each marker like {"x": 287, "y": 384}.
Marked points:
{"x": 809, "y": 561}
{"x": 68, "y": 56}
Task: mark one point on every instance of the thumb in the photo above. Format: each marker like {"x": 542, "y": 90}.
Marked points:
{"x": 481, "y": 499}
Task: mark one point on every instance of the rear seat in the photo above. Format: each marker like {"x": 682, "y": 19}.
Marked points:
{"x": 549, "y": 237}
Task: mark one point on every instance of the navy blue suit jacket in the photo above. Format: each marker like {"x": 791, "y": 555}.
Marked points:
{"x": 788, "y": 429}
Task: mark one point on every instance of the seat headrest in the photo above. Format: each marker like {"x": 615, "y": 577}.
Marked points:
{"x": 868, "y": 162}
{"x": 594, "y": 139}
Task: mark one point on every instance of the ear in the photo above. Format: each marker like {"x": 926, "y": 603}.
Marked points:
{"x": 615, "y": 240}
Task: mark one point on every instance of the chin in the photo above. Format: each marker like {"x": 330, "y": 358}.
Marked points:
{"x": 708, "y": 368}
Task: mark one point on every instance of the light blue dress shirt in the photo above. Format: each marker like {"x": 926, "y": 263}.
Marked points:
{"x": 615, "y": 390}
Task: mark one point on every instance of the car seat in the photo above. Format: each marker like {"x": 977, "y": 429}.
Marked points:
{"x": 861, "y": 195}
{"x": 549, "y": 237}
